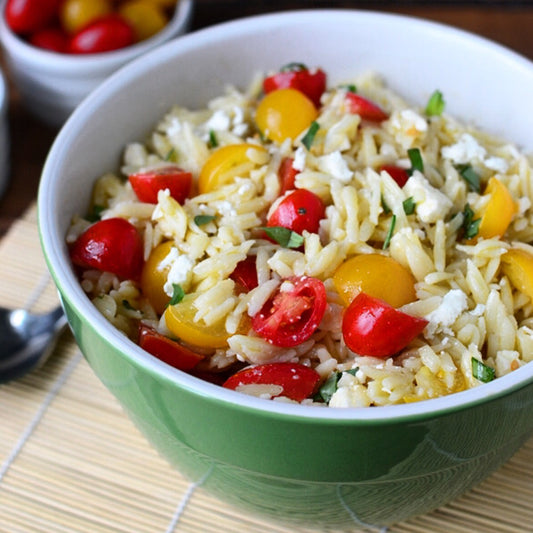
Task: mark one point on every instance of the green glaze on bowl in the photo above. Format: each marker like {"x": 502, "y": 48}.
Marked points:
{"x": 305, "y": 465}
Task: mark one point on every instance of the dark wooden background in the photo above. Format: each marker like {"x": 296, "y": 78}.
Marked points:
{"x": 507, "y": 22}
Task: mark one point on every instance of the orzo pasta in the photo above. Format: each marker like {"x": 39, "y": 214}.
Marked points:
{"x": 334, "y": 245}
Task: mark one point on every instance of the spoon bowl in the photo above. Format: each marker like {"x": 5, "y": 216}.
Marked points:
{"x": 27, "y": 339}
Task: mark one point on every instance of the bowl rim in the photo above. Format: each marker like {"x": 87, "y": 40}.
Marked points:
{"x": 74, "y": 295}
{"x": 81, "y": 62}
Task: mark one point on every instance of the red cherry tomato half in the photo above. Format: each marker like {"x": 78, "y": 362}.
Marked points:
{"x": 53, "y": 39}
{"x": 107, "y": 33}
{"x": 112, "y": 245}
{"x": 300, "y": 210}
{"x": 293, "y": 313}
{"x": 287, "y": 175}
{"x": 365, "y": 108}
{"x": 298, "y": 382}
{"x": 398, "y": 174}
{"x": 310, "y": 82}
{"x": 27, "y": 16}
{"x": 147, "y": 184}
{"x": 372, "y": 327}
{"x": 169, "y": 351}
{"x": 245, "y": 273}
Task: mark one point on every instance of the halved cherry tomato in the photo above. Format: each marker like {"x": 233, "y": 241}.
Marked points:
{"x": 293, "y": 313}
{"x": 154, "y": 277}
{"x": 499, "y": 211}
{"x": 147, "y": 184}
{"x": 296, "y": 381}
{"x": 111, "y": 245}
{"x": 287, "y": 175}
{"x": 225, "y": 164}
{"x": 377, "y": 275}
{"x": 245, "y": 273}
{"x": 517, "y": 265}
{"x": 169, "y": 351}
{"x": 52, "y": 38}
{"x": 146, "y": 18}
{"x": 179, "y": 319}
{"x": 28, "y": 16}
{"x": 365, "y": 108}
{"x": 103, "y": 35}
{"x": 77, "y": 14}
{"x": 285, "y": 113}
{"x": 398, "y": 174}
{"x": 372, "y": 327}
{"x": 300, "y": 210}
{"x": 297, "y": 76}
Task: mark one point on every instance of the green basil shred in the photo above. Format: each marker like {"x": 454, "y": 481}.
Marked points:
{"x": 481, "y": 371}
{"x": 284, "y": 236}
{"x": 171, "y": 155}
{"x": 416, "y": 160}
{"x": 350, "y": 87}
{"x": 409, "y": 205}
{"x": 293, "y": 67}
{"x": 390, "y": 232}
{"x": 177, "y": 294}
{"x": 330, "y": 386}
{"x": 309, "y": 136}
{"x": 213, "y": 141}
{"x": 201, "y": 220}
{"x": 436, "y": 104}
{"x": 470, "y": 176}
{"x": 470, "y": 225}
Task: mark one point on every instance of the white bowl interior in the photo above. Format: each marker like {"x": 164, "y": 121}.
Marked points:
{"x": 482, "y": 82}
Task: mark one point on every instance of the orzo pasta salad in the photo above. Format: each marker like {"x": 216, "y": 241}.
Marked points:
{"x": 321, "y": 244}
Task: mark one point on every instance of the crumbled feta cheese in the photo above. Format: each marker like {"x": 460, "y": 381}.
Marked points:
{"x": 465, "y": 150}
{"x": 478, "y": 310}
{"x": 411, "y": 119}
{"x": 299, "y": 158}
{"x": 453, "y": 304}
{"x": 219, "y": 121}
{"x": 336, "y": 166}
{"x": 496, "y": 163}
{"x": 174, "y": 127}
{"x": 431, "y": 204}
{"x": 180, "y": 270}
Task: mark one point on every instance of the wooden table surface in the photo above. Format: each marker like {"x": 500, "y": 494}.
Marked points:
{"x": 507, "y": 22}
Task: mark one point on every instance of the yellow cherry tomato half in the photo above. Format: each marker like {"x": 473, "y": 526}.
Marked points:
{"x": 180, "y": 321}
{"x": 499, "y": 211}
{"x": 225, "y": 164}
{"x": 154, "y": 276}
{"x": 145, "y": 17}
{"x": 76, "y": 14}
{"x": 285, "y": 113}
{"x": 517, "y": 265}
{"x": 376, "y": 275}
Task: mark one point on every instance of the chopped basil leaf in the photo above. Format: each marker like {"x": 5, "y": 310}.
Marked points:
{"x": 171, "y": 155}
{"x": 201, "y": 220}
{"x": 309, "y": 137}
{"x": 470, "y": 225}
{"x": 470, "y": 176}
{"x": 177, "y": 294}
{"x": 293, "y": 67}
{"x": 329, "y": 387}
{"x": 416, "y": 160}
{"x": 284, "y": 236}
{"x": 436, "y": 104}
{"x": 350, "y": 87}
{"x": 96, "y": 213}
{"x": 409, "y": 206}
{"x": 213, "y": 141}
{"x": 481, "y": 371}
{"x": 390, "y": 232}
{"x": 386, "y": 208}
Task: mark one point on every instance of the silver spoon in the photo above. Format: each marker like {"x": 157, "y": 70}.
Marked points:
{"x": 27, "y": 339}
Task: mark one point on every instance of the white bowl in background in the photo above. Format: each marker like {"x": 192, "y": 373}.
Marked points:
{"x": 51, "y": 84}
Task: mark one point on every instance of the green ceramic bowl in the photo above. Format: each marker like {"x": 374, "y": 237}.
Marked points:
{"x": 306, "y": 465}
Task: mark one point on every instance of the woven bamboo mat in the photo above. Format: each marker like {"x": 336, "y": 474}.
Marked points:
{"x": 71, "y": 461}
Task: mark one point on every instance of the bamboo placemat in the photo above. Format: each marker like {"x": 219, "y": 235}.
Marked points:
{"x": 71, "y": 461}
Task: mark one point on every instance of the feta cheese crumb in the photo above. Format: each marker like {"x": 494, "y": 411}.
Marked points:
{"x": 180, "y": 270}
{"x": 452, "y": 305}
{"x": 465, "y": 150}
{"x": 336, "y": 166}
{"x": 299, "y": 158}
{"x": 431, "y": 204}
